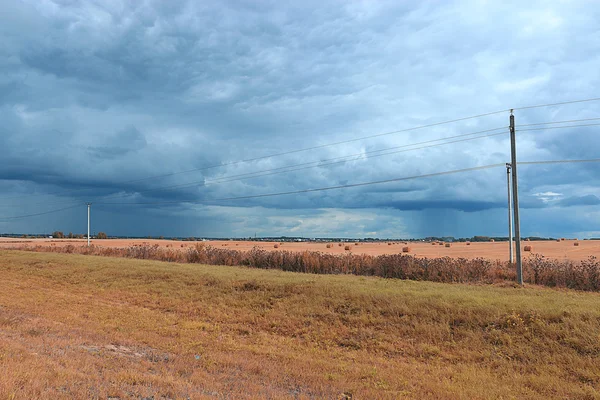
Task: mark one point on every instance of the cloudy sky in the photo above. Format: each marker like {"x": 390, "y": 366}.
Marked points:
{"x": 150, "y": 109}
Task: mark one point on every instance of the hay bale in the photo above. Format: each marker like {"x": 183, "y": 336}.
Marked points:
{"x": 405, "y": 249}
{"x": 562, "y": 239}
{"x": 328, "y": 245}
{"x": 492, "y": 240}
{"x": 527, "y": 248}
{"x": 348, "y": 248}
{"x": 468, "y": 243}
{"x": 433, "y": 243}
{"x": 356, "y": 243}
{"x": 276, "y": 245}
{"x": 441, "y": 243}
{"x": 558, "y": 240}
{"x": 576, "y": 244}
{"x": 339, "y": 244}
{"x": 389, "y": 244}
{"x": 447, "y": 244}
{"x": 527, "y": 240}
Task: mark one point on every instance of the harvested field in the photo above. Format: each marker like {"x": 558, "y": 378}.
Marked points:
{"x": 75, "y": 326}
{"x": 563, "y": 250}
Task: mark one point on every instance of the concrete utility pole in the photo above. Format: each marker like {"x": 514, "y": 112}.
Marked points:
{"x": 88, "y": 235}
{"x": 515, "y": 186}
{"x": 510, "y": 233}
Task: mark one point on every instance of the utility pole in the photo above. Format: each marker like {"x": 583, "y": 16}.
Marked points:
{"x": 515, "y": 186}
{"x": 510, "y": 233}
{"x": 88, "y": 233}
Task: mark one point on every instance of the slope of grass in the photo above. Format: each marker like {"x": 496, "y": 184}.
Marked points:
{"x": 75, "y": 326}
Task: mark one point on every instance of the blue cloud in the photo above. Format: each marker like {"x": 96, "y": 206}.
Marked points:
{"x": 96, "y": 96}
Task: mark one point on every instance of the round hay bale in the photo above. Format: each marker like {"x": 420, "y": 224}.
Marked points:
{"x": 389, "y": 244}
{"x": 348, "y": 248}
{"x": 433, "y": 243}
{"x": 562, "y": 239}
{"x": 405, "y": 249}
{"x": 558, "y": 240}
{"x": 468, "y": 243}
{"x": 356, "y": 243}
{"x": 527, "y": 239}
{"x": 441, "y": 243}
{"x": 276, "y": 245}
{"x": 576, "y": 244}
{"x": 339, "y": 244}
{"x": 328, "y": 245}
{"x": 492, "y": 240}
{"x": 447, "y": 244}
{"x": 527, "y": 248}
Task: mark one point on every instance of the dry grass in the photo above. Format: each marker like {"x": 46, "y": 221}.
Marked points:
{"x": 583, "y": 275}
{"x": 73, "y": 326}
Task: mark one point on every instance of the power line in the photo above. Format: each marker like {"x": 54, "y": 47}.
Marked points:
{"x": 37, "y": 214}
{"x": 315, "y": 164}
{"x": 561, "y": 122}
{"x": 559, "y": 161}
{"x": 323, "y": 163}
{"x": 557, "y": 104}
{"x": 327, "y": 145}
{"x": 288, "y": 152}
{"x": 556, "y": 127}
{"x": 318, "y": 189}
{"x": 323, "y": 188}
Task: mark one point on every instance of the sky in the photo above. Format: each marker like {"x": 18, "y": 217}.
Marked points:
{"x": 170, "y": 116}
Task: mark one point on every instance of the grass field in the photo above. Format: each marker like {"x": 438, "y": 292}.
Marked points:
{"x": 75, "y": 326}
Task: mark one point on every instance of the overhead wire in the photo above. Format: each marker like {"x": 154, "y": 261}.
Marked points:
{"x": 312, "y": 189}
{"x": 561, "y": 122}
{"x": 556, "y": 127}
{"x": 557, "y": 104}
{"x": 319, "y": 189}
{"x": 40, "y": 213}
{"x": 327, "y": 145}
{"x": 316, "y": 164}
{"x": 292, "y": 151}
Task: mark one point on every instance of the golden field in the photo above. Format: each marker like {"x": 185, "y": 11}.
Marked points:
{"x": 74, "y": 326}
{"x": 564, "y": 250}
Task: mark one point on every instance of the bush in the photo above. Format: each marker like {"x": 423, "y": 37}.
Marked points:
{"x": 101, "y": 235}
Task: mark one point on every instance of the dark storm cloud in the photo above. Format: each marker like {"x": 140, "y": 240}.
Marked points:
{"x": 97, "y": 96}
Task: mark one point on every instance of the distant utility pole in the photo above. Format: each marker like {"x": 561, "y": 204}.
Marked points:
{"x": 510, "y": 233}
{"x": 515, "y": 186}
{"x": 88, "y": 235}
